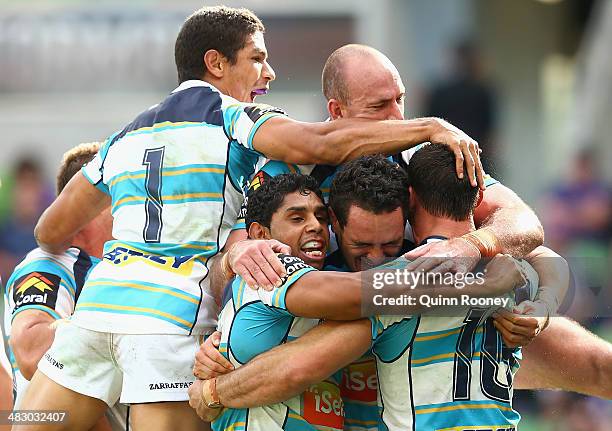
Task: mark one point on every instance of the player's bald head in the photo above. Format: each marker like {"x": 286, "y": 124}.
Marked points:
{"x": 351, "y": 65}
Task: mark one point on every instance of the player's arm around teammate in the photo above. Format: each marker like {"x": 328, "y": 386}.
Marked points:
{"x": 310, "y": 296}
{"x": 529, "y": 319}
{"x": 292, "y": 367}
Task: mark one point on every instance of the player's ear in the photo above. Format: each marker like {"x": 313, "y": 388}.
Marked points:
{"x": 479, "y": 198}
{"x": 215, "y": 63}
{"x": 334, "y": 108}
{"x": 259, "y": 231}
{"x": 412, "y": 199}
{"x": 333, "y": 221}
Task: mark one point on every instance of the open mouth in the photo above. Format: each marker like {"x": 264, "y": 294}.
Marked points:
{"x": 258, "y": 92}
{"x": 314, "y": 250}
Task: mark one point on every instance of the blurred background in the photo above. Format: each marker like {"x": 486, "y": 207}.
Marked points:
{"x": 531, "y": 80}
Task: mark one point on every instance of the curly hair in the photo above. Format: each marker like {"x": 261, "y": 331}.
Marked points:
{"x": 222, "y": 28}
{"x": 433, "y": 179}
{"x": 372, "y": 183}
{"x": 72, "y": 162}
{"x": 268, "y": 198}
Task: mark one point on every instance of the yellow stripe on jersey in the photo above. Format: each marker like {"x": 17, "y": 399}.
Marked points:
{"x": 140, "y": 309}
{"x": 196, "y": 170}
{"x": 437, "y": 336}
{"x": 126, "y": 177}
{"x": 296, "y": 416}
{"x": 192, "y": 195}
{"x": 240, "y": 293}
{"x": 463, "y": 407}
{"x": 171, "y": 197}
{"x": 442, "y": 335}
{"x": 235, "y": 425}
{"x": 166, "y": 174}
{"x": 143, "y": 287}
{"x": 436, "y": 357}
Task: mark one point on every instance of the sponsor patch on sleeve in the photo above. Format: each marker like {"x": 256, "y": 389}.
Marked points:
{"x": 293, "y": 265}
{"x": 255, "y": 112}
{"x": 36, "y": 288}
{"x": 294, "y": 268}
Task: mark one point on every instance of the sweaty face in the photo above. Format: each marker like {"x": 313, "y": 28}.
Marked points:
{"x": 368, "y": 238}
{"x": 301, "y": 222}
{"x": 250, "y": 76}
{"x": 375, "y": 91}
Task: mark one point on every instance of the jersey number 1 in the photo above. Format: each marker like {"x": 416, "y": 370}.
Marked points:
{"x": 153, "y": 160}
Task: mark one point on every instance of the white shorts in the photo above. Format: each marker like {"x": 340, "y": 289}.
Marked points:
{"x": 125, "y": 367}
{"x": 118, "y": 417}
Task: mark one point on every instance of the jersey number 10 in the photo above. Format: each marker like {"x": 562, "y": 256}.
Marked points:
{"x": 492, "y": 356}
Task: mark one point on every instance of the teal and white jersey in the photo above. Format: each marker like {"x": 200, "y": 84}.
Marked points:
{"x": 47, "y": 282}
{"x": 444, "y": 373}
{"x": 175, "y": 177}
{"x": 359, "y": 384}
{"x": 254, "y": 321}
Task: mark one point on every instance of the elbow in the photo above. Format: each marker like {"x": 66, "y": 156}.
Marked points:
{"x": 532, "y": 224}
{"x": 43, "y": 235}
{"x": 40, "y": 234}
{"x": 301, "y": 374}
{"x": 539, "y": 234}
{"x": 47, "y": 237}
{"x": 27, "y": 369}
{"x": 302, "y": 371}
{"x": 26, "y": 360}
{"x": 537, "y": 238}
{"x": 353, "y": 307}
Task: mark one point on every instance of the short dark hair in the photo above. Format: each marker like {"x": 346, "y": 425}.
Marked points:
{"x": 267, "y": 199}
{"x": 72, "y": 162}
{"x": 373, "y": 183}
{"x": 221, "y": 28}
{"x": 434, "y": 180}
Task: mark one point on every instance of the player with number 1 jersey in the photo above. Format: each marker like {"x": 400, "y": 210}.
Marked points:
{"x": 174, "y": 177}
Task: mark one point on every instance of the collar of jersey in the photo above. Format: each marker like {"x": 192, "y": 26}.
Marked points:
{"x": 433, "y": 238}
{"x": 194, "y": 83}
